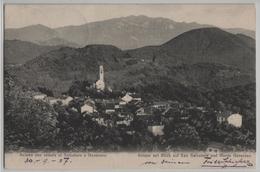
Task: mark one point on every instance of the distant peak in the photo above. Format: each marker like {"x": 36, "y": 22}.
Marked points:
{"x": 145, "y": 17}
{"x": 137, "y": 16}
{"x": 207, "y": 30}
{"x": 99, "y": 46}
{"x": 37, "y": 26}
{"x": 210, "y": 32}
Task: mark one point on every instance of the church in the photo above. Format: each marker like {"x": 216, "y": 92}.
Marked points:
{"x": 100, "y": 84}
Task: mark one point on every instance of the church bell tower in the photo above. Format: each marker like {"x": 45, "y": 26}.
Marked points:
{"x": 100, "y": 84}
{"x": 101, "y": 73}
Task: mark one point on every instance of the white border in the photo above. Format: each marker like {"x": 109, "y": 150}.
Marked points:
{"x": 257, "y": 5}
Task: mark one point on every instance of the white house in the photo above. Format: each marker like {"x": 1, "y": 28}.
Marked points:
{"x": 122, "y": 103}
{"x": 232, "y": 119}
{"x": 86, "y": 108}
{"x": 156, "y": 130}
{"x": 161, "y": 105}
{"x": 125, "y": 122}
{"x": 235, "y": 120}
{"x": 127, "y": 98}
{"x": 39, "y": 96}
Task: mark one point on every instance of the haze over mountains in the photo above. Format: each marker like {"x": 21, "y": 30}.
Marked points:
{"x": 206, "y": 58}
{"x": 125, "y": 32}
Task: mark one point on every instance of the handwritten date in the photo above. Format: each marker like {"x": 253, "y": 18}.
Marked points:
{"x": 63, "y": 161}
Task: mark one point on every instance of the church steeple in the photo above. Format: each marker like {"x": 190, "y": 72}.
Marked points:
{"x": 101, "y": 73}
{"x": 100, "y": 84}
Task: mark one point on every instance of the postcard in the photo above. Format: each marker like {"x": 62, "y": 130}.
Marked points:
{"x": 129, "y": 86}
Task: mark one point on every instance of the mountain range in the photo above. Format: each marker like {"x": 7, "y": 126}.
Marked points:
{"x": 126, "y": 32}
{"x": 205, "y": 58}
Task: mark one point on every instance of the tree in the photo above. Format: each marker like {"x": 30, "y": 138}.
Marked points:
{"x": 46, "y": 91}
{"x": 183, "y": 134}
{"x": 30, "y": 123}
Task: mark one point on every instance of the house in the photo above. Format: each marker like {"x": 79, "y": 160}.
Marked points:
{"x": 136, "y": 97}
{"x": 167, "y": 110}
{"x": 117, "y": 106}
{"x": 90, "y": 102}
{"x": 100, "y": 121}
{"x": 109, "y": 89}
{"x": 127, "y": 98}
{"x": 156, "y": 130}
{"x": 139, "y": 103}
{"x": 39, "y": 96}
{"x": 74, "y": 109}
{"x": 66, "y": 101}
{"x": 143, "y": 111}
{"x": 215, "y": 147}
{"x": 232, "y": 119}
{"x": 175, "y": 104}
{"x": 184, "y": 117}
{"x": 161, "y": 105}
{"x": 86, "y": 108}
{"x": 109, "y": 108}
{"x": 222, "y": 116}
{"x": 235, "y": 120}
{"x": 122, "y": 103}
{"x": 124, "y": 122}
{"x": 130, "y": 132}
{"x": 103, "y": 122}
{"x": 52, "y": 100}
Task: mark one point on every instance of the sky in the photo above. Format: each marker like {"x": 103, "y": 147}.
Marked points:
{"x": 224, "y": 16}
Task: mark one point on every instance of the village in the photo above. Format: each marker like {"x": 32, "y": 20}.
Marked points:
{"x": 121, "y": 111}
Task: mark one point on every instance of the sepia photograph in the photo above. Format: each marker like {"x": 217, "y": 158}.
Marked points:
{"x": 112, "y": 79}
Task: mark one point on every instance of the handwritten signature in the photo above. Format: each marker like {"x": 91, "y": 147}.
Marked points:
{"x": 227, "y": 162}
{"x": 164, "y": 162}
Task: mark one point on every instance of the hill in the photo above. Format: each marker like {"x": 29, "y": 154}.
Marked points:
{"x": 33, "y": 33}
{"x": 19, "y": 52}
{"x": 207, "y": 59}
{"x": 207, "y": 45}
{"x": 246, "y": 32}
